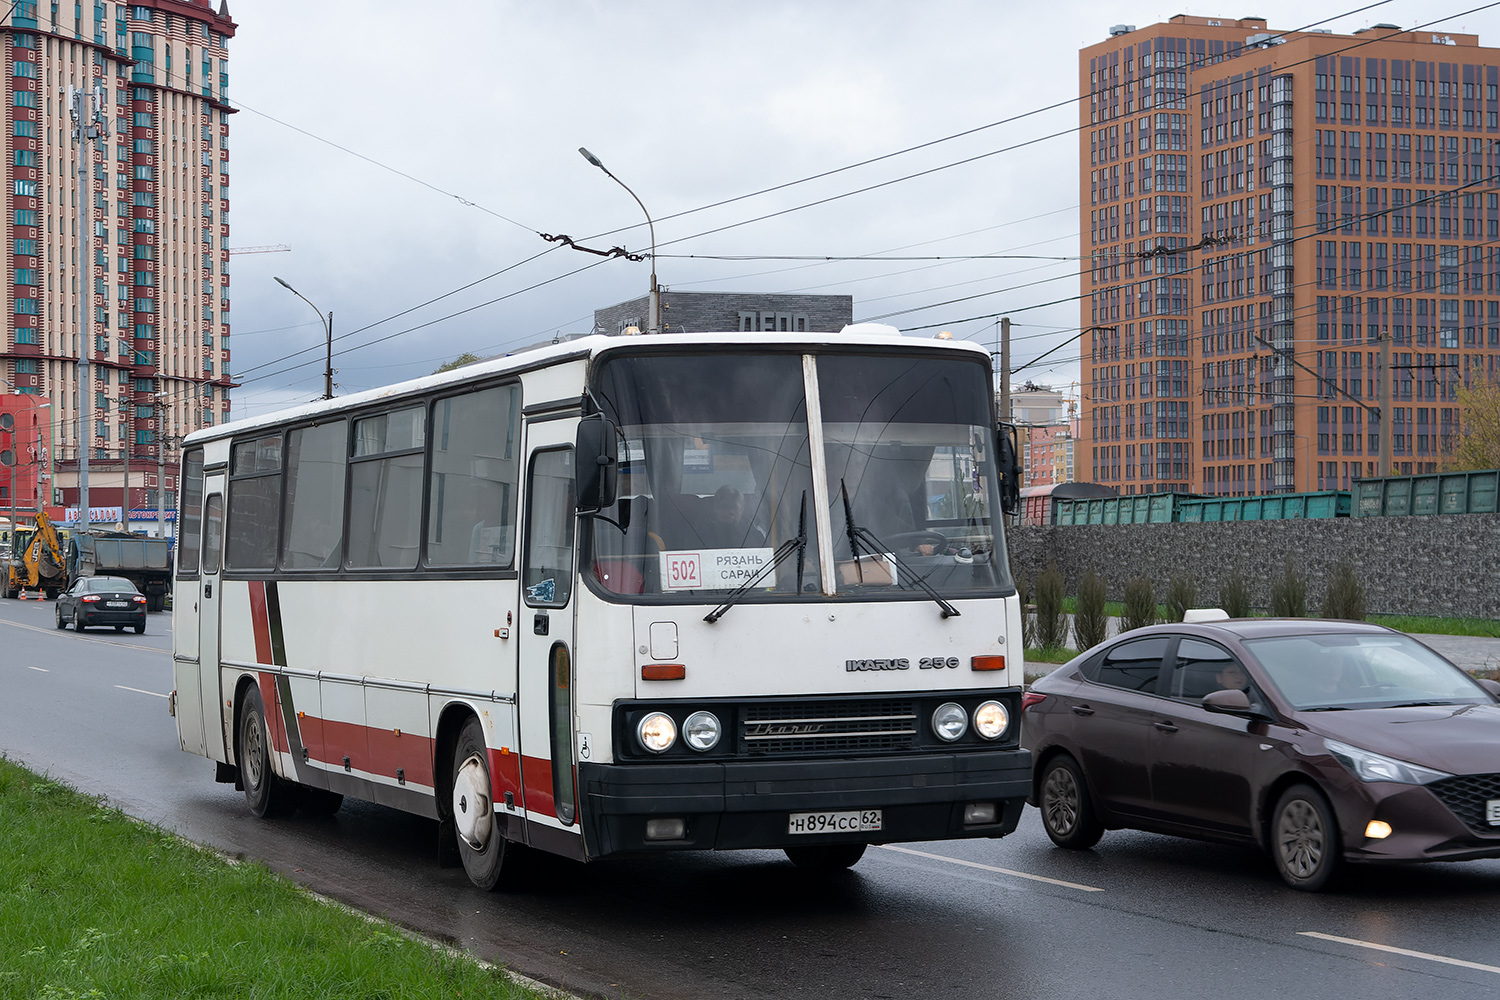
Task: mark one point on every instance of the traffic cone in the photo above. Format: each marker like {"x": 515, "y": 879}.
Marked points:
{"x": 23, "y": 596}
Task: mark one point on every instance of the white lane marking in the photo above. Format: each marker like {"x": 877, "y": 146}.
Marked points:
{"x": 43, "y": 670}
{"x": 992, "y": 868}
{"x": 1355, "y": 942}
{"x": 153, "y": 694}
{"x": 90, "y": 638}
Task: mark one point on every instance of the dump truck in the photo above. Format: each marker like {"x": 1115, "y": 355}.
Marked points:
{"x": 36, "y": 560}
{"x": 145, "y": 562}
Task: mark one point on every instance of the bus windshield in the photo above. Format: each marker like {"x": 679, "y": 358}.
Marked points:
{"x": 716, "y": 480}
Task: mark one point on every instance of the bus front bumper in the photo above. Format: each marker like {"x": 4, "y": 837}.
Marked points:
{"x": 750, "y": 804}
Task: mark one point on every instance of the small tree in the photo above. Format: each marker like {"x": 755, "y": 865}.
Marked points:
{"x": 1051, "y": 619}
{"x": 1182, "y": 594}
{"x": 1234, "y": 596}
{"x": 1028, "y": 613}
{"x": 463, "y": 359}
{"x": 1289, "y": 594}
{"x": 1345, "y": 597}
{"x": 1140, "y": 605}
{"x": 1090, "y": 621}
{"x": 1478, "y": 442}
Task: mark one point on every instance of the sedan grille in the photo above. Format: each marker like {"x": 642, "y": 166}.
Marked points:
{"x": 1468, "y": 796}
{"x": 817, "y": 727}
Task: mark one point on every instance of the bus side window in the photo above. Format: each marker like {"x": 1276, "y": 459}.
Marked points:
{"x": 548, "y": 576}
{"x": 471, "y": 518}
{"x": 191, "y": 513}
{"x": 254, "y": 504}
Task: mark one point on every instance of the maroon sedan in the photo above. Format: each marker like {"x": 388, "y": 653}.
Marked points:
{"x": 1318, "y": 741}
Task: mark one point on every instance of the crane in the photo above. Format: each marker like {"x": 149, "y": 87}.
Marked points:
{"x": 272, "y": 248}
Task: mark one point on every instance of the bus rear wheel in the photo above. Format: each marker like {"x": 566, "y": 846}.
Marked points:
{"x": 488, "y": 857}
{"x": 267, "y": 795}
{"x": 826, "y": 857}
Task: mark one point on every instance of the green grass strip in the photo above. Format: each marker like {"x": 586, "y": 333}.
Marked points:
{"x": 97, "y": 904}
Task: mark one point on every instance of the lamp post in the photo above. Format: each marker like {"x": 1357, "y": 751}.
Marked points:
{"x": 654, "y": 317}
{"x": 328, "y": 341}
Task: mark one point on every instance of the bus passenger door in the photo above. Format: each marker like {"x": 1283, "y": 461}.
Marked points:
{"x": 208, "y": 614}
{"x": 546, "y": 628}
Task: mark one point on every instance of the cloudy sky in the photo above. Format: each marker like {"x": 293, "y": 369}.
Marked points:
{"x": 410, "y": 153}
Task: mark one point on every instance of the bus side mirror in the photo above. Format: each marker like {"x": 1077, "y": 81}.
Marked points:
{"x": 1008, "y": 452}
{"x": 598, "y": 463}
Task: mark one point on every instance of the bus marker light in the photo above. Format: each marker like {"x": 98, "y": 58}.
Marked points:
{"x": 987, "y": 662}
{"x": 663, "y": 671}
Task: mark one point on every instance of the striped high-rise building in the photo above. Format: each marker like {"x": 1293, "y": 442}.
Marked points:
{"x": 1278, "y": 221}
{"x": 150, "y": 302}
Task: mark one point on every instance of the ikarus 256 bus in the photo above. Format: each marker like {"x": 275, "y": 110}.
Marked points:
{"x": 619, "y": 595}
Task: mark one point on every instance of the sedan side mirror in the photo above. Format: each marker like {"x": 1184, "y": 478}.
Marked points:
{"x": 1230, "y": 702}
{"x": 1493, "y": 687}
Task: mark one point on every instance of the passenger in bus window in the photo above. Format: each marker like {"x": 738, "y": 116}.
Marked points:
{"x": 727, "y": 526}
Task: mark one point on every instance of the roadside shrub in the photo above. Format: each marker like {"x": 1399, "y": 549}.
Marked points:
{"x": 1345, "y": 597}
{"x": 1234, "y": 596}
{"x": 1182, "y": 594}
{"x": 1028, "y": 613}
{"x": 1051, "y": 619}
{"x": 1090, "y": 621}
{"x": 1140, "y": 605}
{"x": 1289, "y": 594}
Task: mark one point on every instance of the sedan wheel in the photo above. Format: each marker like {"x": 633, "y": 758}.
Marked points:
{"x": 77, "y": 622}
{"x": 1067, "y": 812}
{"x": 1305, "y": 839}
{"x": 60, "y": 622}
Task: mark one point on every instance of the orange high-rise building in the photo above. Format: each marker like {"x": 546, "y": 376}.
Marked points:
{"x": 1277, "y": 220}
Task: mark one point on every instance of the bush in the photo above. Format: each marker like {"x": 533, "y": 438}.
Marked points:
{"x": 1289, "y": 594}
{"x": 1028, "y": 613}
{"x": 1051, "y": 619}
{"x": 1345, "y": 597}
{"x": 1181, "y": 595}
{"x": 1234, "y": 596}
{"x": 1140, "y": 605}
{"x": 1090, "y": 621}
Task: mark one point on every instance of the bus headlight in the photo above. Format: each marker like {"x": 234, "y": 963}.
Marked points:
{"x": 950, "y": 721}
{"x": 657, "y": 732}
{"x": 701, "y": 730}
{"x": 991, "y": 719}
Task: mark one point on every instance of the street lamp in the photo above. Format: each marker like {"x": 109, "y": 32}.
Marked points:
{"x": 328, "y": 334}
{"x": 654, "y": 319}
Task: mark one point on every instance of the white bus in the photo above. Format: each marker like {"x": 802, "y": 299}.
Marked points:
{"x": 620, "y": 594}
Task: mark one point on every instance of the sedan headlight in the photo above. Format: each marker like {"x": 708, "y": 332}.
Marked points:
{"x": 991, "y": 719}
{"x": 701, "y": 730}
{"x": 950, "y": 721}
{"x": 657, "y": 732}
{"x": 1369, "y": 766}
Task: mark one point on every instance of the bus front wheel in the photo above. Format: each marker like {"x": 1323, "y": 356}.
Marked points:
{"x": 486, "y": 854}
{"x": 267, "y": 795}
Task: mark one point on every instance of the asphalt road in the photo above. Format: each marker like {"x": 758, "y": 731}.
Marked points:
{"x": 1139, "y": 916}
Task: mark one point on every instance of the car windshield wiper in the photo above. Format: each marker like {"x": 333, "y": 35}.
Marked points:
{"x": 1422, "y": 704}
{"x": 863, "y": 538}
{"x": 1327, "y": 708}
{"x": 785, "y": 549}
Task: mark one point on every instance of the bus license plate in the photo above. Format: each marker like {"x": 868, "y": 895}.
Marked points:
{"x": 1492, "y": 812}
{"x": 853, "y": 821}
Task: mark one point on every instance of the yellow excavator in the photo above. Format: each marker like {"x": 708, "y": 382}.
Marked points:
{"x": 36, "y": 561}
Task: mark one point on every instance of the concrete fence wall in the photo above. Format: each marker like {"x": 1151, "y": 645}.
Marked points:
{"x": 1445, "y": 565}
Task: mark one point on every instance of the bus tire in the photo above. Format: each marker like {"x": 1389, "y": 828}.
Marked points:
{"x": 826, "y": 857}
{"x": 267, "y": 795}
{"x": 487, "y": 856}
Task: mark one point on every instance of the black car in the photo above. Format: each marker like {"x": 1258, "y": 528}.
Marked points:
{"x": 1319, "y": 742}
{"x": 102, "y": 600}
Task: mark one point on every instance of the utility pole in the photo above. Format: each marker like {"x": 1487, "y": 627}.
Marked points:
{"x": 1005, "y": 368}
{"x": 1387, "y": 416}
{"x": 89, "y": 122}
{"x": 328, "y": 359}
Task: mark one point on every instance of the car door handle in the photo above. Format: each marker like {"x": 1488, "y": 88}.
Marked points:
{"x": 1082, "y": 710}
{"x": 1165, "y": 727}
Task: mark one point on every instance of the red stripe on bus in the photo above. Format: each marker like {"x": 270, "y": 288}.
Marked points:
{"x": 538, "y": 792}
{"x": 261, "y": 620}
{"x": 505, "y": 776}
{"x": 271, "y": 702}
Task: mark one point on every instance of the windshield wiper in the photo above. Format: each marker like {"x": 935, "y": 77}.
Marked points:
{"x": 786, "y": 548}
{"x": 864, "y": 538}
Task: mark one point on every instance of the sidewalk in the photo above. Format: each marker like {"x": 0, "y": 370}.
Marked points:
{"x": 1471, "y": 652}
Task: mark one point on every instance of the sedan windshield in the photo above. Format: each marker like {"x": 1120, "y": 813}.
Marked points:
{"x": 111, "y": 584}
{"x": 1346, "y": 670}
